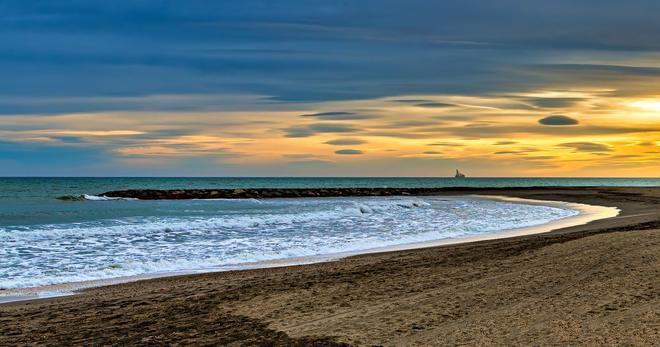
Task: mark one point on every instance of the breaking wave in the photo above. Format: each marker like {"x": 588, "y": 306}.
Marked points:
{"x": 214, "y": 234}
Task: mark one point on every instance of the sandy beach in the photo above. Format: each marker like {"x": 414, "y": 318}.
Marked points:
{"x": 593, "y": 284}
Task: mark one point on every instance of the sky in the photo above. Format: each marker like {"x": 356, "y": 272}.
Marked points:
{"x": 330, "y": 88}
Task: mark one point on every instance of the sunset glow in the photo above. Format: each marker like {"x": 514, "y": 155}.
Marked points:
{"x": 419, "y": 103}
{"x": 649, "y": 105}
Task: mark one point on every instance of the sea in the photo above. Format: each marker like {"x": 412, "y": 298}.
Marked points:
{"x": 45, "y": 241}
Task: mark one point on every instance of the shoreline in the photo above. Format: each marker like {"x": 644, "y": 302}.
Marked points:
{"x": 586, "y": 213}
{"x": 589, "y": 284}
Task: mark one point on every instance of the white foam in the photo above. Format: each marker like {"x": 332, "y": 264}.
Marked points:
{"x": 237, "y": 234}
{"x": 104, "y": 198}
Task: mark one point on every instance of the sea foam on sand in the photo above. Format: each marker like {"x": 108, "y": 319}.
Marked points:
{"x": 243, "y": 234}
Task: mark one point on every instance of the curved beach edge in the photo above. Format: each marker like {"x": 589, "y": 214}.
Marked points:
{"x": 586, "y": 214}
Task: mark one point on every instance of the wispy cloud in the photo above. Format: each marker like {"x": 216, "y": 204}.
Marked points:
{"x": 274, "y": 87}
{"x": 587, "y": 147}
{"x": 338, "y": 116}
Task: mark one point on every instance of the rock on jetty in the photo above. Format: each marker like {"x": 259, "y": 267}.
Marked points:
{"x": 261, "y": 193}
{"x": 178, "y": 194}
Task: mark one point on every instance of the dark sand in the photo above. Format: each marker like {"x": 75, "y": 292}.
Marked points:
{"x": 597, "y": 284}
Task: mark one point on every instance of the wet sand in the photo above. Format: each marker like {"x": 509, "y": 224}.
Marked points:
{"x": 594, "y": 284}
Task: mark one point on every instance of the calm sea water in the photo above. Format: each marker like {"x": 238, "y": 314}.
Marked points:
{"x": 48, "y": 241}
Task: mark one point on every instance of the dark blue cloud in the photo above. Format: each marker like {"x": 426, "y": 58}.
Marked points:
{"x": 67, "y": 139}
{"x": 558, "y": 120}
{"x": 297, "y": 50}
{"x": 338, "y": 116}
{"x": 311, "y": 129}
{"x": 411, "y": 101}
{"x": 349, "y": 152}
{"x": 346, "y": 142}
{"x": 435, "y": 105}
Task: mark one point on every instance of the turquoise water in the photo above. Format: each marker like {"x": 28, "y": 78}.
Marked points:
{"x": 40, "y": 188}
{"x": 26, "y": 201}
{"x": 47, "y": 241}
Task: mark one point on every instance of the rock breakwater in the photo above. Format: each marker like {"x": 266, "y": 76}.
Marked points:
{"x": 263, "y": 193}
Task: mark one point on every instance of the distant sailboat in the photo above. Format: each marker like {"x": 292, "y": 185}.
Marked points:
{"x": 459, "y": 174}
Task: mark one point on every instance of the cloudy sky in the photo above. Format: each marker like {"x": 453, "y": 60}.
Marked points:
{"x": 330, "y": 88}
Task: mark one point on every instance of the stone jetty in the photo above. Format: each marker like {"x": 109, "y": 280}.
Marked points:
{"x": 263, "y": 193}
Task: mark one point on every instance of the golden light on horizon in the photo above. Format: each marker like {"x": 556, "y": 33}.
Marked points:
{"x": 647, "y": 105}
{"x": 425, "y": 134}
